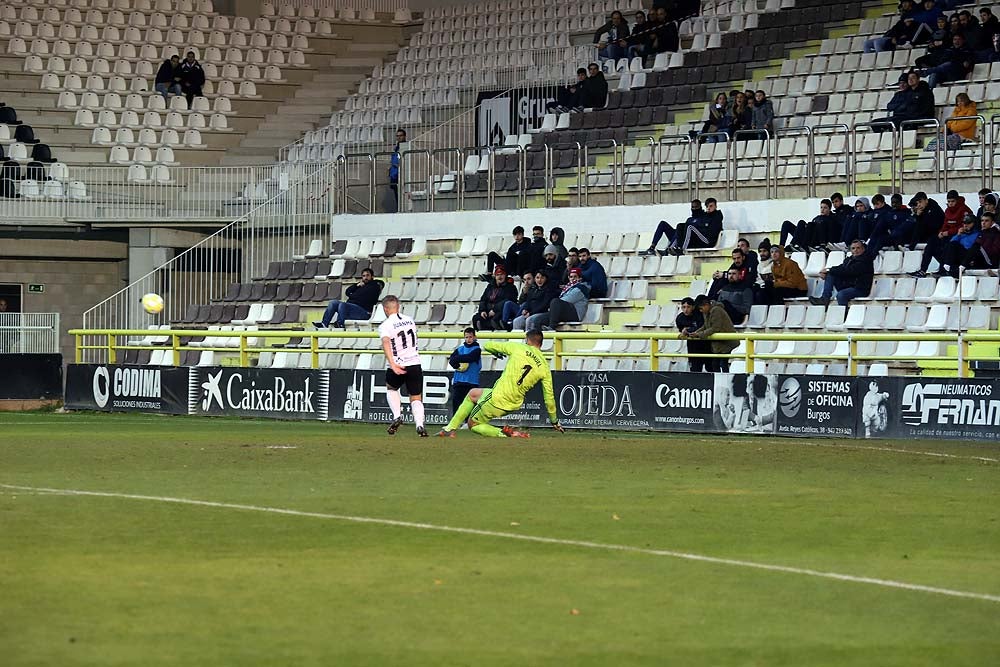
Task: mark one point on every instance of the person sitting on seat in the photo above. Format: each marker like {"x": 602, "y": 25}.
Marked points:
{"x": 192, "y": 78}
{"x": 535, "y": 309}
{"x": 812, "y": 235}
{"x": 701, "y": 230}
{"x": 361, "y": 300}
{"x": 593, "y": 274}
{"x": 492, "y": 302}
{"x": 747, "y": 275}
{"x": 786, "y": 279}
{"x": 735, "y": 297}
{"x": 168, "y": 77}
{"x": 571, "y": 304}
{"x": 851, "y": 279}
{"x": 953, "y": 251}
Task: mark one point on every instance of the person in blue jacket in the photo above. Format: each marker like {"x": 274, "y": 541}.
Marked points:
{"x": 593, "y": 274}
{"x": 394, "y": 169}
{"x": 467, "y": 362}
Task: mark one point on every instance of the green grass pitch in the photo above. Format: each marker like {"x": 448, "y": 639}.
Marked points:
{"x": 109, "y": 580}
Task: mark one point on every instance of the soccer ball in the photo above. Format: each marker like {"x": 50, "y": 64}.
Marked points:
{"x": 152, "y": 303}
{"x": 463, "y": 367}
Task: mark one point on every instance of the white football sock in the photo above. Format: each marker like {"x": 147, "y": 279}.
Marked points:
{"x": 417, "y": 408}
{"x": 395, "y": 402}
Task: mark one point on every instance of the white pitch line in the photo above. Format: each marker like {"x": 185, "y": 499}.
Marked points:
{"x": 886, "y": 583}
{"x": 915, "y": 452}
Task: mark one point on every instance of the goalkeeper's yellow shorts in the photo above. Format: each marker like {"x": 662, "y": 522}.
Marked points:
{"x": 485, "y": 410}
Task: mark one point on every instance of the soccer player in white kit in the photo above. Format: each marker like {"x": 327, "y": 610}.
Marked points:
{"x": 399, "y": 343}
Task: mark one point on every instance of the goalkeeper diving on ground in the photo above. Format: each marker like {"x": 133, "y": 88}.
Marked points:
{"x": 526, "y": 366}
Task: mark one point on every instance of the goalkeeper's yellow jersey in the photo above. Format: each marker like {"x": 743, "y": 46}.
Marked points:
{"x": 526, "y": 366}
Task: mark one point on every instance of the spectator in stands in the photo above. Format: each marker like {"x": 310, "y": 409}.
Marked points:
{"x": 556, "y": 238}
{"x": 989, "y": 24}
{"x": 953, "y": 252}
{"x": 926, "y": 222}
{"x": 593, "y": 274}
{"x": 786, "y": 278}
{"x": 610, "y": 37}
{"x": 192, "y": 78}
{"x": 393, "y": 203}
{"x": 740, "y": 116}
{"x": 746, "y": 276}
{"x": 974, "y": 37}
{"x": 762, "y": 114}
{"x": 595, "y": 88}
{"x": 955, "y": 215}
{"x": 764, "y": 263}
{"x": 464, "y": 381}
{"x": 940, "y": 40}
{"x": 842, "y": 213}
{"x": 749, "y": 257}
{"x": 535, "y": 309}
{"x": 666, "y": 39}
{"x": 926, "y": 17}
{"x": 850, "y": 280}
{"x": 717, "y": 118}
{"x": 988, "y": 244}
{"x": 554, "y": 265}
{"x": 815, "y": 234}
{"x": 958, "y": 131}
{"x": 168, "y": 77}
{"x": 572, "y": 259}
{"x": 860, "y": 225}
{"x": 982, "y": 200}
{"x": 956, "y": 63}
{"x": 538, "y": 244}
{"x": 880, "y": 215}
{"x": 701, "y": 230}
{"x": 491, "y": 302}
{"x": 569, "y": 97}
{"x": 638, "y": 20}
{"x": 900, "y": 34}
{"x": 571, "y": 304}
{"x": 3, "y": 305}
{"x": 894, "y": 227}
{"x": 518, "y": 260}
{"x": 913, "y": 101}
{"x": 689, "y": 320}
{"x": 361, "y": 300}
{"x": 736, "y": 296}
{"x": 717, "y": 320}
{"x": 512, "y": 309}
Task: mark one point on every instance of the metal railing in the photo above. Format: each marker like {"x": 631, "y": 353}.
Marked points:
{"x": 124, "y": 193}
{"x": 103, "y": 345}
{"x": 938, "y": 146}
{"x": 285, "y": 225}
{"x": 29, "y": 333}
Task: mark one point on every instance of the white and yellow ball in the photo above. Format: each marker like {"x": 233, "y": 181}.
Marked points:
{"x": 152, "y": 303}
{"x": 463, "y": 367}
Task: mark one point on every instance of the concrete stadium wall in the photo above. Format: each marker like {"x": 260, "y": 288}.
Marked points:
{"x": 747, "y": 216}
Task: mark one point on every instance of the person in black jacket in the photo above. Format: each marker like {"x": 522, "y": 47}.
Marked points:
{"x": 923, "y": 225}
{"x": 538, "y": 244}
{"x": 956, "y": 63}
{"x": 689, "y": 320}
{"x": 491, "y": 303}
{"x": 361, "y": 300}
{"x": 192, "y": 78}
{"x": 913, "y": 101}
{"x": 812, "y": 234}
{"x": 519, "y": 258}
{"x": 610, "y": 37}
{"x": 168, "y": 77}
{"x": 595, "y": 88}
{"x": 701, "y": 230}
{"x": 540, "y": 295}
{"x": 851, "y": 279}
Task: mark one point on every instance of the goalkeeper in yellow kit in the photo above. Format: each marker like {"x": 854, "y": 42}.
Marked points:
{"x": 526, "y": 366}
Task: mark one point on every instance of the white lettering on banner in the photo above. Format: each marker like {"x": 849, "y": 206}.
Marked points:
{"x": 930, "y": 404}
{"x": 270, "y": 399}
{"x": 435, "y": 390}
{"x": 829, "y": 386}
{"x": 683, "y": 397}
{"x": 595, "y": 401}
{"x": 137, "y": 382}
